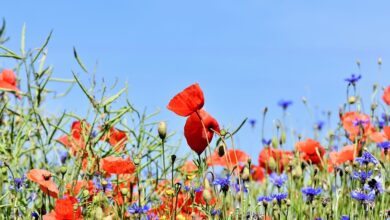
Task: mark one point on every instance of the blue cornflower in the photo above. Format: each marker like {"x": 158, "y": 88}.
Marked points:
{"x": 278, "y": 180}
{"x": 135, "y": 209}
{"x": 359, "y": 122}
{"x": 362, "y": 175}
{"x": 309, "y": 191}
{"x": 362, "y": 197}
{"x": 353, "y": 79}
{"x": 344, "y": 217}
{"x": 238, "y": 189}
{"x": 223, "y": 182}
{"x": 319, "y": 124}
{"x": 63, "y": 157}
{"x": 266, "y": 142}
{"x": 265, "y": 199}
{"x": 252, "y": 122}
{"x": 19, "y": 183}
{"x": 285, "y": 103}
{"x": 34, "y": 215}
{"x": 374, "y": 184}
{"x": 366, "y": 158}
{"x": 215, "y": 212}
{"x": 384, "y": 145}
{"x": 279, "y": 196}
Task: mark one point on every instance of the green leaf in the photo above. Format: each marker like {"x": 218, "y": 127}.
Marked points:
{"x": 43, "y": 47}
{"x": 79, "y": 60}
{"x": 23, "y": 41}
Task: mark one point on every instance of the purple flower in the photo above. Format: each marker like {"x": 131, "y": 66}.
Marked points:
{"x": 285, "y": 103}
{"x": 252, "y": 122}
{"x": 362, "y": 197}
{"x": 374, "y": 184}
{"x": 238, "y": 189}
{"x": 384, "y": 145}
{"x": 63, "y": 157}
{"x": 344, "y": 217}
{"x": 362, "y": 175}
{"x": 223, "y": 183}
{"x": 215, "y": 212}
{"x": 266, "y": 142}
{"x": 309, "y": 191}
{"x": 265, "y": 199}
{"x": 278, "y": 180}
{"x": 19, "y": 184}
{"x": 366, "y": 158}
{"x": 359, "y": 122}
{"x": 319, "y": 125}
{"x": 279, "y": 196}
{"x": 353, "y": 79}
{"x": 135, "y": 209}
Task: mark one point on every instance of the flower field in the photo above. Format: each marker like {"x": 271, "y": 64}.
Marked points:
{"x": 117, "y": 162}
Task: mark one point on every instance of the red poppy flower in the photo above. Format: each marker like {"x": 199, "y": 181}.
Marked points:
{"x": 311, "y": 151}
{"x": 45, "y": 181}
{"x": 76, "y": 140}
{"x": 199, "y": 130}
{"x": 117, "y": 165}
{"x": 116, "y": 138}
{"x": 347, "y": 153}
{"x": 274, "y": 159}
{"x": 257, "y": 173}
{"x": 189, "y": 167}
{"x": 8, "y": 81}
{"x": 229, "y": 160}
{"x": 64, "y": 210}
{"x": 187, "y": 101}
{"x": 355, "y": 123}
{"x": 386, "y": 96}
{"x": 75, "y": 187}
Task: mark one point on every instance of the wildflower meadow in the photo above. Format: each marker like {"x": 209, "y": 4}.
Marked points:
{"x": 117, "y": 162}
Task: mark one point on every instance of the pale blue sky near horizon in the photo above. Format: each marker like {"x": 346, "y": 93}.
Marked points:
{"x": 245, "y": 55}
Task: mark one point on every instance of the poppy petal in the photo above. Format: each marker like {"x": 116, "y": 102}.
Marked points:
{"x": 187, "y": 101}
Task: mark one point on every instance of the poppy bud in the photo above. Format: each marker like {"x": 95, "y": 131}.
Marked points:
{"x": 85, "y": 193}
{"x": 358, "y": 63}
{"x": 304, "y": 100}
{"x": 136, "y": 161}
{"x": 283, "y": 138}
{"x": 379, "y": 61}
{"x": 275, "y": 143}
{"x": 221, "y": 150}
{"x": 373, "y": 106}
{"x": 265, "y": 110}
{"x": 352, "y": 100}
{"x": 207, "y": 195}
{"x": 98, "y": 213}
{"x": 173, "y": 158}
{"x": 124, "y": 191}
{"x": 63, "y": 170}
{"x": 162, "y": 130}
{"x": 245, "y": 173}
{"x": 222, "y": 132}
{"x": 288, "y": 202}
{"x": 272, "y": 163}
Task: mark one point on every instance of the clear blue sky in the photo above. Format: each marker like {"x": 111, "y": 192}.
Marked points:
{"x": 245, "y": 54}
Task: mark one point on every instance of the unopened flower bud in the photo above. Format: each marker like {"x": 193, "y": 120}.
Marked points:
{"x": 379, "y": 61}
{"x": 162, "y": 130}
{"x": 207, "y": 195}
{"x": 85, "y": 193}
{"x": 221, "y": 150}
{"x": 352, "y": 100}
{"x": 124, "y": 191}
{"x": 222, "y": 132}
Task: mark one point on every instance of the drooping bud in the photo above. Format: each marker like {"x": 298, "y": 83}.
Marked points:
{"x": 221, "y": 150}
